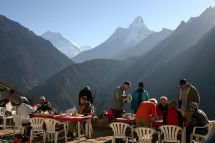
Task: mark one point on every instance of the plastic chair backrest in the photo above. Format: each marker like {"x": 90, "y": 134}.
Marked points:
{"x": 170, "y": 132}
{"x": 2, "y": 111}
{"x": 37, "y": 123}
{"x": 50, "y": 124}
{"x": 119, "y": 128}
{"x": 17, "y": 119}
{"x": 144, "y": 134}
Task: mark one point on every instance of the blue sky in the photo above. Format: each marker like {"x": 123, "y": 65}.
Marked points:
{"x": 91, "y": 22}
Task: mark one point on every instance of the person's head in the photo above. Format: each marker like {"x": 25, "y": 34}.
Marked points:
{"x": 172, "y": 103}
{"x": 83, "y": 100}
{"x": 163, "y": 101}
{"x": 193, "y": 107}
{"x": 42, "y": 99}
{"x": 24, "y": 100}
{"x": 153, "y": 100}
{"x": 126, "y": 85}
{"x": 141, "y": 85}
{"x": 183, "y": 83}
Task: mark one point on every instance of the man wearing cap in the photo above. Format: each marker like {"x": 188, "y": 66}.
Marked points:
{"x": 24, "y": 109}
{"x": 187, "y": 94}
{"x": 162, "y": 107}
{"x": 44, "y": 105}
{"x": 199, "y": 118}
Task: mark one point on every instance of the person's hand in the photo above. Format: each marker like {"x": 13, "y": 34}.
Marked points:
{"x": 129, "y": 99}
{"x": 38, "y": 106}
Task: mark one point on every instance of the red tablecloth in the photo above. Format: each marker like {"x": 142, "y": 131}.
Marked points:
{"x": 64, "y": 118}
{"x": 157, "y": 123}
{"x": 125, "y": 120}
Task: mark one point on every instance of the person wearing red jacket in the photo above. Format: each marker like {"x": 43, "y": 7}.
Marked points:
{"x": 173, "y": 116}
{"x": 145, "y": 112}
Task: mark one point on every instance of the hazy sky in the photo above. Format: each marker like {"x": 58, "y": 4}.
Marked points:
{"x": 91, "y": 22}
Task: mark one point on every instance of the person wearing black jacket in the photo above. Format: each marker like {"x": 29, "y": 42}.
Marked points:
{"x": 87, "y": 93}
{"x": 199, "y": 118}
{"x": 44, "y": 105}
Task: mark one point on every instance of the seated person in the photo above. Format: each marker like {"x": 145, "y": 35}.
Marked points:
{"x": 87, "y": 93}
{"x": 44, "y": 105}
{"x": 198, "y": 118}
{"x": 173, "y": 116}
{"x": 145, "y": 112}
{"x": 85, "y": 109}
{"x": 85, "y": 106}
{"x": 9, "y": 108}
{"x": 162, "y": 106}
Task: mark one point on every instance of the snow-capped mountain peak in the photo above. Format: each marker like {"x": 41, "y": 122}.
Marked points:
{"x": 137, "y": 24}
{"x": 62, "y": 44}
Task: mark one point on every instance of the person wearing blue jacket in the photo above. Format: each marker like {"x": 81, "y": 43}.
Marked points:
{"x": 138, "y": 96}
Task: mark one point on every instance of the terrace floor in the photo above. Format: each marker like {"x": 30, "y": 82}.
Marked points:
{"x": 99, "y": 136}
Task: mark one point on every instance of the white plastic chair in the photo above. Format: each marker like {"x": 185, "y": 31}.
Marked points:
{"x": 69, "y": 112}
{"x": 119, "y": 130}
{"x": 210, "y": 126}
{"x": 170, "y": 133}
{"x": 144, "y": 134}
{"x": 4, "y": 117}
{"x": 51, "y": 132}
{"x": 37, "y": 127}
{"x": 18, "y": 124}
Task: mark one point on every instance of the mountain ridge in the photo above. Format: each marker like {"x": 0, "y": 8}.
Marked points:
{"x": 120, "y": 39}
{"x": 20, "y": 49}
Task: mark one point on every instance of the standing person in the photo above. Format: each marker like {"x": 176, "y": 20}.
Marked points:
{"x": 87, "y": 93}
{"x": 199, "y": 118}
{"x": 145, "y": 112}
{"x": 138, "y": 96}
{"x": 119, "y": 98}
{"x": 187, "y": 94}
{"x": 162, "y": 107}
{"x": 24, "y": 110}
{"x": 173, "y": 116}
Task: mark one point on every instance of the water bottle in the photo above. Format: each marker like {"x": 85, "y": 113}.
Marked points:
{"x": 74, "y": 111}
{"x": 94, "y": 111}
